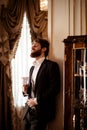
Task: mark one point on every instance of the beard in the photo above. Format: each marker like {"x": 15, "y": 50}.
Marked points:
{"x": 35, "y": 54}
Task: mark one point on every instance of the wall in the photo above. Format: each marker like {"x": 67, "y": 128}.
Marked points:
{"x": 65, "y": 17}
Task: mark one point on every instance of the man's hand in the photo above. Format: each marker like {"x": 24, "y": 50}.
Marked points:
{"x": 32, "y": 102}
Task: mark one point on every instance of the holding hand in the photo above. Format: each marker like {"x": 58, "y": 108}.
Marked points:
{"x": 32, "y": 102}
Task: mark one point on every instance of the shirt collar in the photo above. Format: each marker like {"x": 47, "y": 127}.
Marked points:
{"x": 39, "y": 61}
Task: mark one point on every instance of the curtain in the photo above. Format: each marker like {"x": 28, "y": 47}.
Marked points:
{"x": 21, "y": 63}
{"x": 38, "y": 19}
{"x": 20, "y": 68}
{"x": 5, "y": 111}
{"x": 11, "y": 18}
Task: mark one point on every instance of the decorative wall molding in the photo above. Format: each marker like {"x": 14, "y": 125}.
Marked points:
{"x": 77, "y": 21}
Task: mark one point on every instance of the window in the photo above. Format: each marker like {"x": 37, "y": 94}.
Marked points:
{"x": 21, "y": 64}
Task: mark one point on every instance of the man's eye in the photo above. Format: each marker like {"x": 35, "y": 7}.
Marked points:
{"x": 36, "y": 46}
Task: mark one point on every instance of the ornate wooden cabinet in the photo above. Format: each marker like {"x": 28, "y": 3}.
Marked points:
{"x": 75, "y": 114}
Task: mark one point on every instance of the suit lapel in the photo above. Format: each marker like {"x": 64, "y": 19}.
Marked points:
{"x": 31, "y": 71}
{"x": 39, "y": 72}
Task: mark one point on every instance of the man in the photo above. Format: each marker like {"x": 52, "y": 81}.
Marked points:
{"x": 44, "y": 85}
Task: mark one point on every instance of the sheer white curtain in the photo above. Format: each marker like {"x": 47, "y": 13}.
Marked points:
{"x": 21, "y": 64}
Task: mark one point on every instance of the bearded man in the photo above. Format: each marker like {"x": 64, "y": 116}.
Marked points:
{"x": 43, "y": 87}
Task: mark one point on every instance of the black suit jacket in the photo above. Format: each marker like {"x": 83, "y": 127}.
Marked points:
{"x": 47, "y": 87}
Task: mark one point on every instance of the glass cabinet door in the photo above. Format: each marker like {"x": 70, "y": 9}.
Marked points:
{"x": 79, "y": 98}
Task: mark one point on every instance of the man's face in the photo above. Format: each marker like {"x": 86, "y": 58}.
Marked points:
{"x": 36, "y": 50}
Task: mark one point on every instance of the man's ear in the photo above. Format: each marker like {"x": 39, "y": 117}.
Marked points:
{"x": 44, "y": 49}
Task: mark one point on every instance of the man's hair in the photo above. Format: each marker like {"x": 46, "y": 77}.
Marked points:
{"x": 43, "y": 43}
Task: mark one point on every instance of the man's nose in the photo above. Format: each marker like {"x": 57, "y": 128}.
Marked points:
{"x": 32, "y": 47}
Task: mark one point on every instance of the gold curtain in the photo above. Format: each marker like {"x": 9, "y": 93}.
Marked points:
{"x": 11, "y": 17}
{"x": 38, "y": 19}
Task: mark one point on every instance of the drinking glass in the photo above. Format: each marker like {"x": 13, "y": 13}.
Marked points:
{"x": 25, "y": 85}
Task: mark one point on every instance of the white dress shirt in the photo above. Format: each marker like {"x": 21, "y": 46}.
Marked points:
{"x": 36, "y": 64}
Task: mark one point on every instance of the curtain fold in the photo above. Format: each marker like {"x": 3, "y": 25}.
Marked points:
{"x": 12, "y": 18}
{"x": 5, "y": 109}
{"x": 38, "y": 19}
